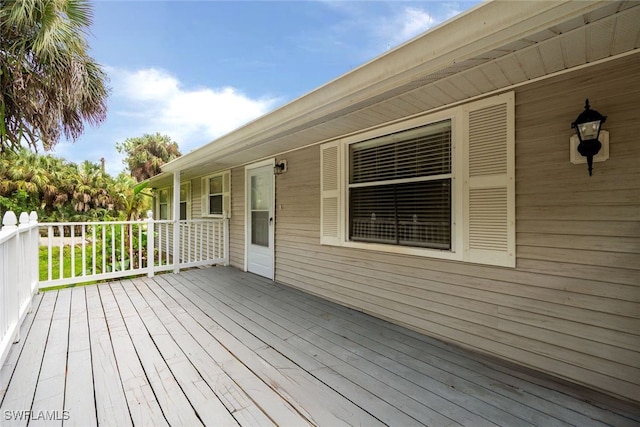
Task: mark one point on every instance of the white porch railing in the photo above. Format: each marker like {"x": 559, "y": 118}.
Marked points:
{"x": 87, "y": 251}
{"x": 18, "y": 275}
{"x": 42, "y": 255}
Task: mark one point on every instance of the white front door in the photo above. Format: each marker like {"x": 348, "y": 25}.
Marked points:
{"x": 260, "y": 197}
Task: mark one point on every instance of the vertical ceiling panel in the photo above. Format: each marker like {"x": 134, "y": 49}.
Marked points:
{"x": 495, "y": 75}
{"x": 627, "y": 32}
{"x": 511, "y": 69}
{"x": 451, "y": 90}
{"x": 472, "y": 83}
{"x": 551, "y": 54}
{"x": 600, "y": 39}
{"x": 531, "y": 63}
{"x": 574, "y": 47}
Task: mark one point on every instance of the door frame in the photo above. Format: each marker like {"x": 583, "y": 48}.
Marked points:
{"x": 247, "y": 201}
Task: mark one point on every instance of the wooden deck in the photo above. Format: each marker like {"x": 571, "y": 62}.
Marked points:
{"x": 220, "y": 347}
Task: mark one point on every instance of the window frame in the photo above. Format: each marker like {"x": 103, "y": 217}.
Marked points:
{"x": 226, "y": 195}
{"x": 455, "y": 252}
{"x": 484, "y": 196}
{"x": 169, "y": 202}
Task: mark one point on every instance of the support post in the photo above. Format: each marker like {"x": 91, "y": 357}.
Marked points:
{"x": 151, "y": 245}
{"x": 176, "y": 222}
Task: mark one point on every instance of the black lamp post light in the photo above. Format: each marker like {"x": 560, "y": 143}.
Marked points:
{"x": 587, "y": 127}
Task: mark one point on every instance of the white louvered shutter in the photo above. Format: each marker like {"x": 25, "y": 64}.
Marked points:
{"x": 490, "y": 230}
{"x": 330, "y": 177}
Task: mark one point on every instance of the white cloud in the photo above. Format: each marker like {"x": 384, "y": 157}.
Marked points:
{"x": 403, "y": 25}
{"x": 155, "y": 101}
{"x": 412, "y": 22}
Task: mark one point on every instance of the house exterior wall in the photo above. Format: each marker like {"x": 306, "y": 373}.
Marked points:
{"x": 570, "y": 308}
{"x": 236, "y": 223}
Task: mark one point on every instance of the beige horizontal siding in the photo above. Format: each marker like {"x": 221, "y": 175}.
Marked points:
{"x": 236, "y": 223}
{"x": 571, "y": 307}
{"x": 196, "y": 198}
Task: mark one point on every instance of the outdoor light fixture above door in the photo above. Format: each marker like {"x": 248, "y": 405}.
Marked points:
{"x": 588, "y": 131}
{"x": 280, "y": 167}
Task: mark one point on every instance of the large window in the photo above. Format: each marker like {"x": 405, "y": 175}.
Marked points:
{"x": 400, "y": 188}
{"x": 438, "y": 185}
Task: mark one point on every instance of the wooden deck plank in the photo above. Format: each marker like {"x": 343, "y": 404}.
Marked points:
{"x": 352, "y": 392}
{"x": 313, "y": 398}
{"x": 446, "y": 395}
{"x": 111, "y": 402}
{"x": 141, "y": 399}
{"x": 6, "y": 371}
{"x": 208, "y": 407}
{"x": 506, "y": 392}
{"x": 351, "y": 331}
{"x": 49, "y": 397}
{"x": 263, "y": 394}
{"x": 193, "y": 338}
{"x": 365, "y": 376}
{"x": 503, "y": 391}
{"x": 165, "y": 399}
{"x": 79, "y": 398}
{"x": 231, "y": 348}
{"x": 21, "y": 389}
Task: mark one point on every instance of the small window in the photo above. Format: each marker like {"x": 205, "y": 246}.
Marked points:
{"x": 216, "y": 195}
{"x": 163, "y": 204}
{"x": 400, "y": 188}
{"x": 184, "y": 201}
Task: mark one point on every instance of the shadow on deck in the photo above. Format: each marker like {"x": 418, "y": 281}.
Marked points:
{"x": 220, "y": 347}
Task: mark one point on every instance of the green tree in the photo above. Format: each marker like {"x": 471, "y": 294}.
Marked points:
{"x": 146, "y": 154}
{"x": 49, "y": 85}
{"x": 29, "y": 181}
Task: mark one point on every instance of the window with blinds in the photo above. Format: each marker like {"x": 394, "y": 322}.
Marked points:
{"x": 400, "y": 188}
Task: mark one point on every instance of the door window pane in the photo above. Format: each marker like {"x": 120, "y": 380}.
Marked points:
{"x": 260, "y": 228}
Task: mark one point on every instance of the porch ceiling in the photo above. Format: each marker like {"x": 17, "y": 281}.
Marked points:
{"x": 493, "y": 47}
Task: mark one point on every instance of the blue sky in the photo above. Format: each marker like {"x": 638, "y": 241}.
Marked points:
{"x": 195, "y": 70}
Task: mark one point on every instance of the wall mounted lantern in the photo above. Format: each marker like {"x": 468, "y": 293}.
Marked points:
{"x": 587, "y": 127}
{"x": 280, "y": 167}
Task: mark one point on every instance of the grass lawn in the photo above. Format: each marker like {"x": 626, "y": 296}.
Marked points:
{"x": 66, "y": 267}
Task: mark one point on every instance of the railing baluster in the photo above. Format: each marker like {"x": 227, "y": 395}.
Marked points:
{"x": 84, "y": 250}
{"x": 61, "y": 247}
{"x": 93, "y": 248}
{"x": 103, "y": 229}
{"x": 73, "y": 250}
{"x": 50, "y": 252}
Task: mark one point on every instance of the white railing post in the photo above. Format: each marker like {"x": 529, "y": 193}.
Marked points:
{"x": 34, "y": 235}
{"x": 12, "y": 268}
{"x": 226, "y": 241}
{"x": 176, "y": 222}
{"x": 150, "y": 245}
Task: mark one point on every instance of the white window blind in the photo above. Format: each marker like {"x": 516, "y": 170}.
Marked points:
{"x": 400, "y": 188}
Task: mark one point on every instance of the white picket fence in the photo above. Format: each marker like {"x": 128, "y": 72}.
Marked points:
{"x": 78, "y": 252}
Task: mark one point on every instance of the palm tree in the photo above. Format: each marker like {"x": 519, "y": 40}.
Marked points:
{"x": 146, "y": 154}
{"x": 49, "y": 85}
{"x": 31, "y": 178}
